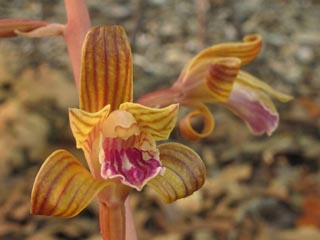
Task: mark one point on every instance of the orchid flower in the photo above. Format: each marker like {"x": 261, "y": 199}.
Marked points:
{"x": 214, "y": 76}
{"x": 118, "y": 138}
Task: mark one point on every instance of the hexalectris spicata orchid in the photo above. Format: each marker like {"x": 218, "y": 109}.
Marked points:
{"x": 214, "y": 76}
{"x": 118, "y": 139}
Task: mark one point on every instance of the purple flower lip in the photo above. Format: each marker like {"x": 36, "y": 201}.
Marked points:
{"x": 132, "y": 166}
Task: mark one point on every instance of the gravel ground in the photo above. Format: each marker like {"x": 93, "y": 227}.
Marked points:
{"x": 257, "y": 187}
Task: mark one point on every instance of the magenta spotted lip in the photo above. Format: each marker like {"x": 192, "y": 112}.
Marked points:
{"x": 132, "y": 166}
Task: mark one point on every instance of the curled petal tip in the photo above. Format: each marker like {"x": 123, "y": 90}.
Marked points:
{"x": 189, "y": 132}
{"x": 255, "y": 38}
{"x": 251, "y": 47}
{"x": 246, "y": 51}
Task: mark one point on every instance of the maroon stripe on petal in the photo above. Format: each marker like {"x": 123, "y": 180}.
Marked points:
{"x": 105, "y": 59}
{"x": 37, "y": 189}
{"x": 172, "y": 169}
{"x": 49, "y": 212}
{"x": 52, "y": 185}
{"x": 185, "y": 166}
{"x": 82, "y": 199}
{"x": 117, "y": 76}
{"x": 71, "y": 202}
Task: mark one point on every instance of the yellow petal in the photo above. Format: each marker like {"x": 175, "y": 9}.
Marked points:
{"x": 246, "y": 51}
{"x": 82, "y": 122}
{"x": 221, "y": 77}
{"x": 209, "y": 82}
{"x": 63, "y": 187}
{"x": 159, "y": 122}
{"x": 252, "y": 81}
{"x": 188, "y": 131}
{"x": 185, "y": 172}
{"x": 106, "y": 69}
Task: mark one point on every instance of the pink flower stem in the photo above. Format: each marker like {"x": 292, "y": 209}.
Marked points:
{"x": 112, "y": 222}
{"x": 130, "y": 227}
{"x": 78, "y": 24}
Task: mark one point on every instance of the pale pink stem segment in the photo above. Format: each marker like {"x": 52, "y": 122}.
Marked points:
{"x": 8, "y": 26}
{"x": 78, "y": 24}
{"x": 160, "y": 98}
{"x": 130, "y": 227}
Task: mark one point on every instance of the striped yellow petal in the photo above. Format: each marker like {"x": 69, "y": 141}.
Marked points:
{"x": 210, "y": 82}
{"x": 106, "y": 69}
{"x": 247, "y": 79}
{"x": 159, "y": 122}
{"x": 185, "y": 172}
{"x": 246, "y": 51}
{"x": 221, "y": 76}
{"x": 63, "y": 187}
{"x": 188, "y": 131}
{"x": 82, "y": 122}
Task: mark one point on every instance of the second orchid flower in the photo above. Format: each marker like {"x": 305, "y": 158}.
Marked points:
{"x": 214, "y": 76}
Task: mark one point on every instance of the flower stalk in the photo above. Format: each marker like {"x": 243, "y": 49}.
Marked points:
{"x": 78, "y": 24}
{"x": 112, "y": 222}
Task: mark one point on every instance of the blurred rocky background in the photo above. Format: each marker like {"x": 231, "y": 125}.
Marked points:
{"x": 257, "y": 188}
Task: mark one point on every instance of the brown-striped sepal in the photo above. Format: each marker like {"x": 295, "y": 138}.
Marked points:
{"x": 158, "y": 122}
{"x": 82, "y": 122}
{"x": 221, "y": 76}
{"x": 106, "y": 69}
{"x": 63, "y": 187}
{"x": 185, "y": 172}
{"x": 246, "y": 51}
